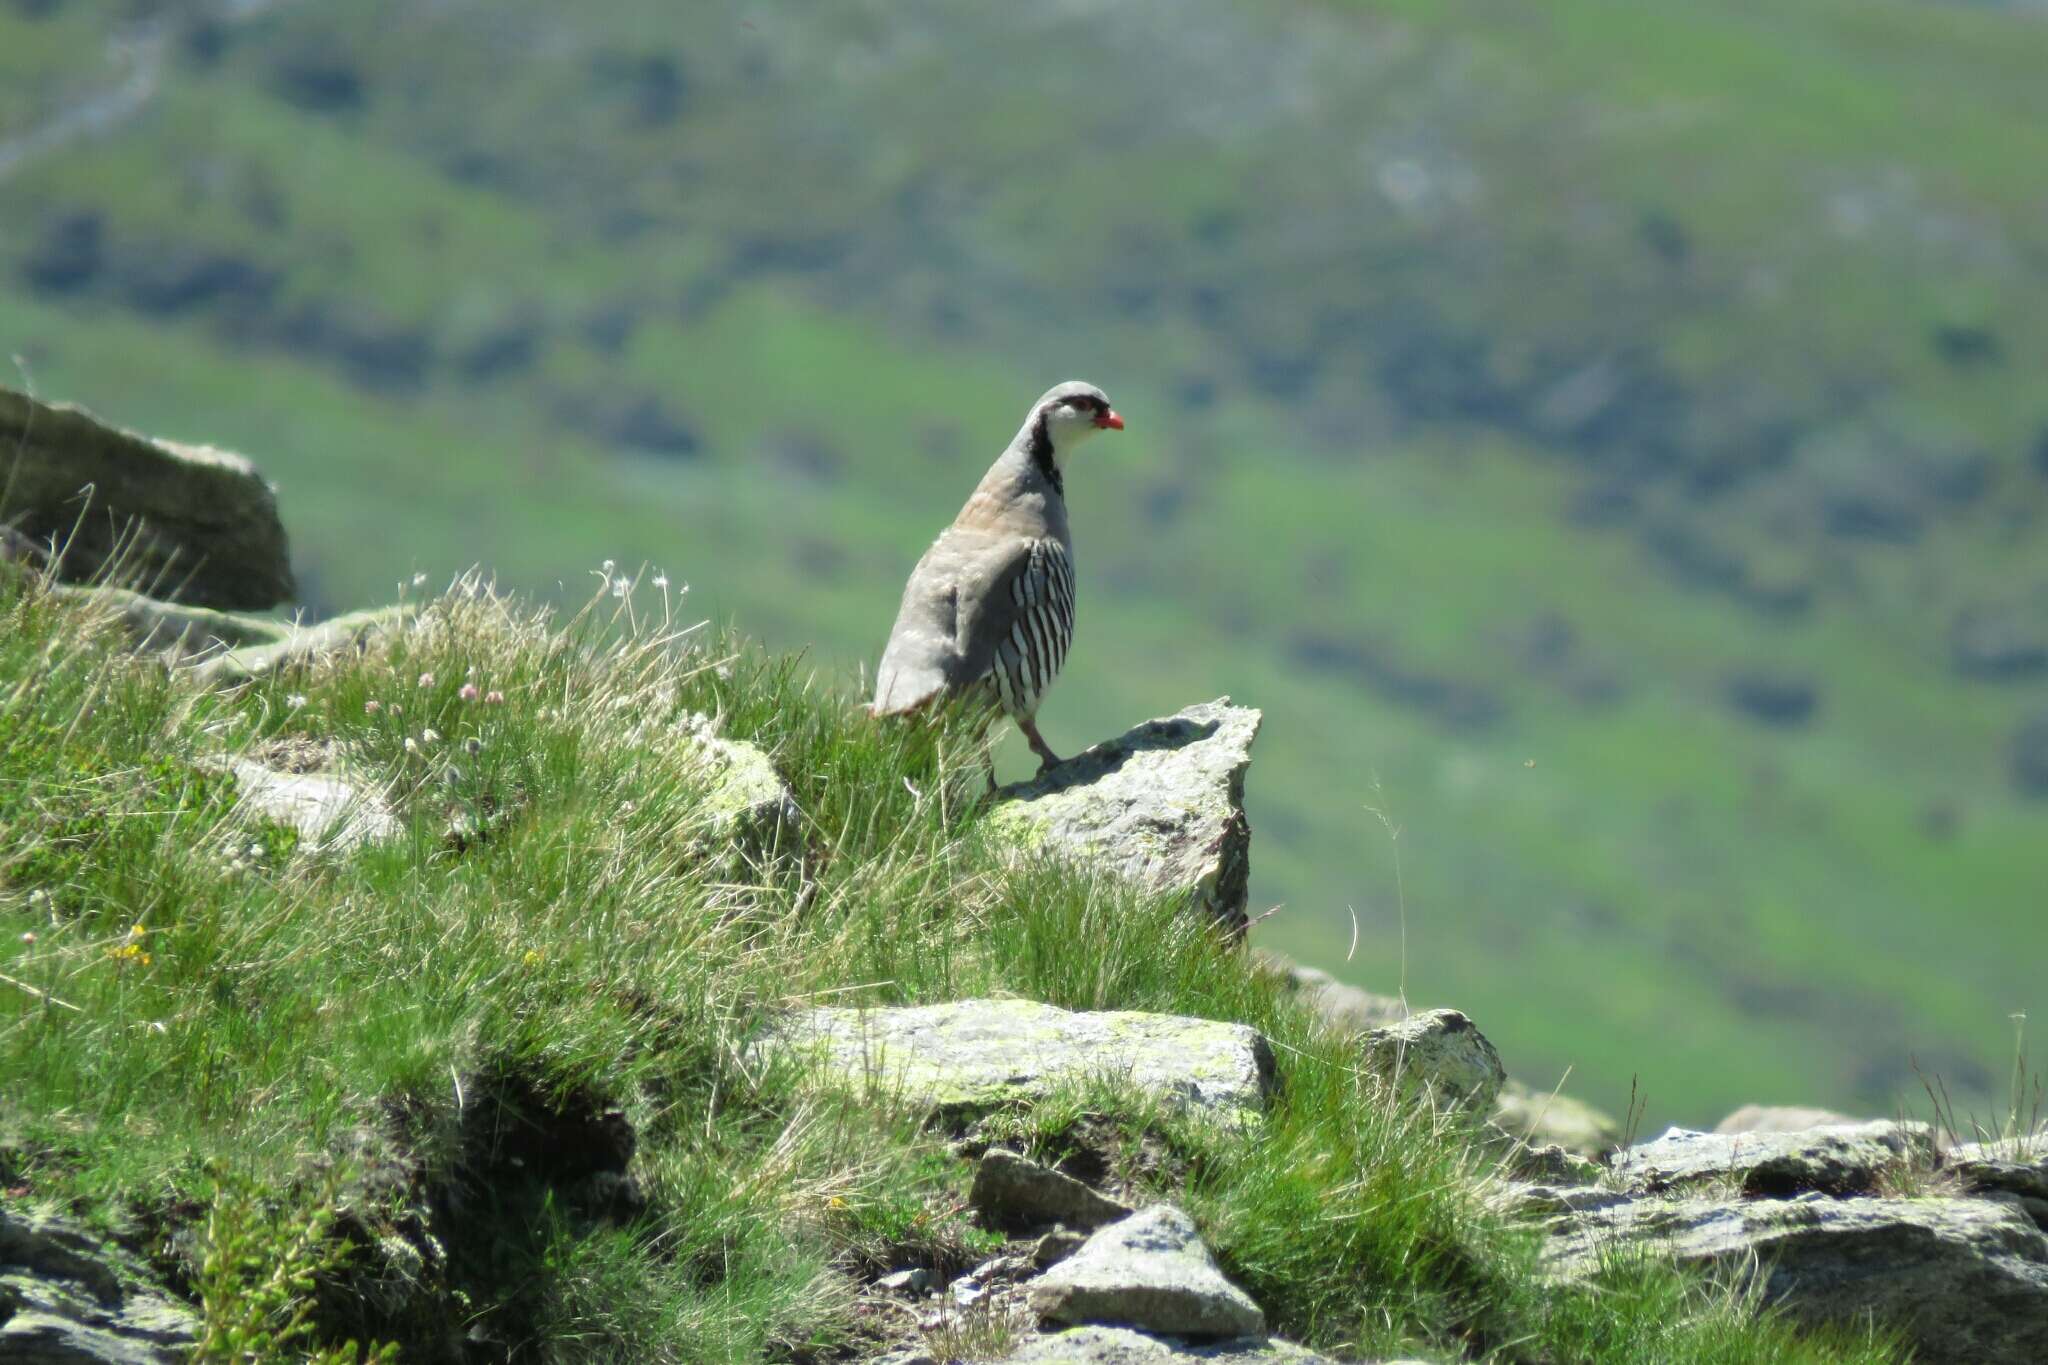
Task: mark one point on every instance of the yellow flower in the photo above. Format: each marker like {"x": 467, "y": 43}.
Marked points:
{"x": 533, "y": 957}
{"x": 835, "y": 1202}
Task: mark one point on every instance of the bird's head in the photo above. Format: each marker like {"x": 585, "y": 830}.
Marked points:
{"x": 1067, "y": 415}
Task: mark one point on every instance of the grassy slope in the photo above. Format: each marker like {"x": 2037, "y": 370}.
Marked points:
{"x": 211, "y": 1037}
{"x": 1701, "y": 889}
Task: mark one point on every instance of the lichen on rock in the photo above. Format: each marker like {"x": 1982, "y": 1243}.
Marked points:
{"x": 1162, "y": 805}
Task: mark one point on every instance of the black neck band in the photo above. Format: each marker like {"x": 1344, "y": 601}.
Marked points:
{"x": 1040, "y": 451}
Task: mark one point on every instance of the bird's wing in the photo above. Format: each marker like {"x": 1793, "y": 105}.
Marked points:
{"x": 1029, "y": 577}
{"x": 955, "y": 612}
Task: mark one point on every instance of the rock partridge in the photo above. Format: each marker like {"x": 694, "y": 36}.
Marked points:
{"x": 989, "y": 610}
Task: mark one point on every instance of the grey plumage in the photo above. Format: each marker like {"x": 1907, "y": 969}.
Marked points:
{"x": 990, "y": 607}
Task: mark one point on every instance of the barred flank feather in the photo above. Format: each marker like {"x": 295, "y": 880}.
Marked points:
{"x": 1041, "y": 629}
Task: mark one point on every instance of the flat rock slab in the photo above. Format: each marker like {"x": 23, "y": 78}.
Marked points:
{"x": 204, "y": 522}
{"x": 1122, "y": 1346}
{"x": 1013, "y": 1191}
{"x": 65, "y": 1296}
{"x": 1836, "y": 1159}
{"x": 1967, "y": 1279}
{"x": 1440, "y": 1055}
{"x": 977, "y": 1054}
{"x": 1163, "y": 806}
{"x": 331, "y": 813}
{"x": 1151, "y": 1272}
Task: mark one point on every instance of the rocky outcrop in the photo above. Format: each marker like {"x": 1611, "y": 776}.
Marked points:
{"x": 1152, "y": 1272}
{"x": 1014, "y": 1192}
{"x": 1163, "y": 805}
{"x": 977, "y": 1054}
{"x": 1438, "y": 1055}
{"x": 192, "y": 523}
{"x": 68, "y": 1298}
{"x": 1965, "y": 1279}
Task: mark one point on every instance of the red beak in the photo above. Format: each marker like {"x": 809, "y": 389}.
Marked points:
{"x": 1110, "y": 420}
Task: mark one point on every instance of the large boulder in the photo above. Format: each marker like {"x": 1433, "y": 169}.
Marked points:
{"x": 1150, "y": 1271}
{"x": 66, "y": 1296}
{"x": 1163, "y": 805}
{"x": 203, "y": 522}
{"x": 1965, "y": 1279}
{"x": 977, "y": 1054}
{"x": 1440, "y": 1056}
{"x": 1836, "y": 1159}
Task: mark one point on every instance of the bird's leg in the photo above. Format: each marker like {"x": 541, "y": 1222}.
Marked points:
{"x": 1047, "y": 759}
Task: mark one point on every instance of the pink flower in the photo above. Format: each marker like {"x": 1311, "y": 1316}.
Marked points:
{"x": 494, "y": 698}
{"x": 426, "y": 680}
{"x": 468, "y": 692}
{"x": 372, "y": 707}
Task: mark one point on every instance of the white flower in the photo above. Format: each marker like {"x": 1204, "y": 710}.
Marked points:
{"x": 430, "y": 736}
{"x": 619, "y": 586}
{"x": 609, "y": 565}
{"x": 412, "y": 746}
{"x": 419, "y": 580}
{"x": 295, "y": 700}
{"x": 661, "y": 581}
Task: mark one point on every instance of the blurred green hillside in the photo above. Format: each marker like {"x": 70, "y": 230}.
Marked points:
{"x": 1609, "y": 439}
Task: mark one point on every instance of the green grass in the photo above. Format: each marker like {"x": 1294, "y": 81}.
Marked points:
{"x": 1846, "y": 178}
{"x": 214, "y": 1039}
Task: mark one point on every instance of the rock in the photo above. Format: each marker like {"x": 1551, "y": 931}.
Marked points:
{"x": 1999, "y": 1167}
{"x": 331, "y": 813}
{"x": 913, "y": 1281}
{"x": 977, "y": 1054}
{"x": 1013, "y": 1191}
{"x": 1544, "y": 1119}
{"x": 1151, "y": 1272}
{"x": 1841, "y": 1159}
{"x": 1966, "y": 1279}
{"x": 176, "y": 627}
{"x": 1548, "y": 1163}
{"x": 65, "y": 1296}
{"x": 747, "y": 807}
{"x": 1163, "y": 806}
{"x": 1348, "y": 1008}
{"x": 1438, "y": 1053}
{"x": 1780, "y": 1118}
{"x": 206, "y": 523}
{"x": 302, "y": 645}
{"x": 1122, "y": 1346}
